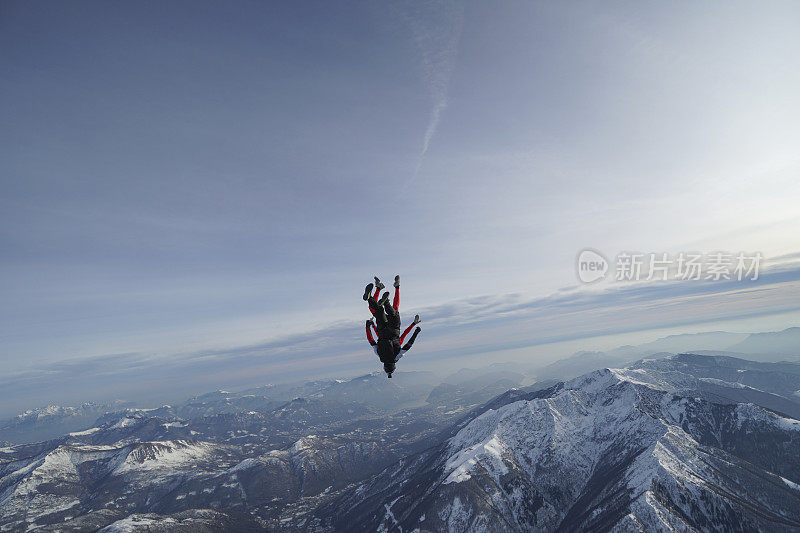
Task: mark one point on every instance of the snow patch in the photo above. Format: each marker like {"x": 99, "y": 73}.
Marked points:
{"x": 134, "y": 523}
{"x": 792, "y": 484}
{"x": 489, "y": 453}
{"x": 164, "y": 455}
{"x": 390, "y": 515}
{"x": 124, "y": 423}
{"x": 748, "y": 412}
{"x": 84, "y": 432}
{"x": 722, "y": 383}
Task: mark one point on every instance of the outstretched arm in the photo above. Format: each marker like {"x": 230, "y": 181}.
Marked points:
{"x": 369, "y": 333}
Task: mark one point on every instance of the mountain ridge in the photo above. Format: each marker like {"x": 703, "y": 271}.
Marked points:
{"x": 685, "y": 441}
{"x": 657, "y": 444}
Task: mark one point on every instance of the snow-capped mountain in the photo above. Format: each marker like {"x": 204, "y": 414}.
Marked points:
{"x": 647, "y": 448}
{"x": 89, "y": 486}
{"x": 685, "y": 442}
{"x": 212, "y": 463}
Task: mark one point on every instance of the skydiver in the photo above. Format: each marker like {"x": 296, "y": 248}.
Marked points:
{"x": 386, "y": 323}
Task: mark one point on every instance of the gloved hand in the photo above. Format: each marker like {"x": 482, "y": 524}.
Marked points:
{"x": 416, "y": 319}
{"x": 369, "y": 322}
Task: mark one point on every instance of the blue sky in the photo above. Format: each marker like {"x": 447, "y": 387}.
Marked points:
{"x": 186, "y": 177}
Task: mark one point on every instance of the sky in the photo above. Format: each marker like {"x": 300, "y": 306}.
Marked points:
{"x": 195, "y": 181}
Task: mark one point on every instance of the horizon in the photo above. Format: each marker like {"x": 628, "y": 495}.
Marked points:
{"x": 529, "y": 370}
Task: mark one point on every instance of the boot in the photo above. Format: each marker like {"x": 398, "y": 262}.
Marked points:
{"x": 367, "y": 291}
{"x": 378, "y": 284}
{"x": 384, "y": 298}
{"x": 397, "y": 281}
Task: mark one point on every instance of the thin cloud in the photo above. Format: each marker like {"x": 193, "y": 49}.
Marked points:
{"x": 483, "y": 324}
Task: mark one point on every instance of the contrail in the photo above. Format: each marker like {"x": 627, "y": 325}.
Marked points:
{"x": 438, "y": 107}
{"x": 436, "y": 28}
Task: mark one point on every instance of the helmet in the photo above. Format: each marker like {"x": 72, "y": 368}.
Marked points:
{"x": 388, "y": 368}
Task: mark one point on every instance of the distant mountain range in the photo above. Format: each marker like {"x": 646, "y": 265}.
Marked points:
{"x": 52, "y": 421}
{"x": 786, "y": 342}
{"x": 772, "y": 346}
{"x": 676, "y": 440}
{"x": 682, "y": 442}
{"x": 470, "y": 386}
